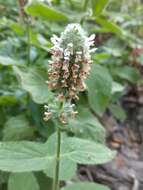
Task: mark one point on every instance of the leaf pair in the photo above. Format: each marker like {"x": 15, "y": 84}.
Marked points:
{"x": 31, "y": 156}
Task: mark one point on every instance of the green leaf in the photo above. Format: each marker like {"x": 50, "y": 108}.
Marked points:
{"x": 18, "y": 28}
{"x": 7, "y": 61}
{"x": 98, "y": 6}
{"x": 109, "y": 25}
{"x": 30, "y": 156}
{"x": 39, "y": 41}
{"x": 99, "y": 85}
{"x": 3, "y": 177}
{"x": 128, "y": 73}
{"x": 45, "y": 183}
{"x": 67, "y": 169}
{"x": 33, "y": 81}
{"x": 118, "y": 112}
{"x": 44, "y": 11}
{"x": 23, "y": 156}
{"x": 23, "y": 181}
{"x": 117, "y": 87}
{"x": 67, "y": 166}
{"x": 17, "y": 128}
{"x": 88, "y": 152}
{"x": 85, "y": 186}
{"x": 86, "y": 126}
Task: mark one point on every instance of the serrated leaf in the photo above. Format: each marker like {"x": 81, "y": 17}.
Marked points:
{"x": 98, "y": 6}
{"x": 17, "y": 128}
{"x": 99, "y": 85}
{"x": 85, "y": 186}
{"x": 23, "y": 181}
{"x": 88, "y": 152}
{"x": 30, "y": 156}
{"x": 86, "y": 126}
{"x": 42, "y": 10}
{"x": 33, "y": 81}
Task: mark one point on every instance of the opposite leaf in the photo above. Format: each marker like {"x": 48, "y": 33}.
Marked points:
{"x": 30, "y": 156}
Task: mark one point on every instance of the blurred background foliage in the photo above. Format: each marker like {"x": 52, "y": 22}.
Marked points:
{"x": 24, "y": 53}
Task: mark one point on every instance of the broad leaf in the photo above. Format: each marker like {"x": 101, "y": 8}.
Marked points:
{"x": 17, "y": 128}
{"x": 42, "y": 10}
{"x": 67, "y": 166}
{"x": 99, "y": 85}
{"x": 98, "y": 6}
{"x": 86, "y": 126}
{"x": 67, "y": 169}
{"x": 85, "y": 186}
{"x": 30, "y": 156}
{"x": 33, "y": 81}
{"x": 23, "y": 181}
{"x": 88, "y": 152}
{"x": 128, "y": 73}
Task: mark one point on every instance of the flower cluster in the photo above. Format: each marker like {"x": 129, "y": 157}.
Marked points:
{"x": 68, "y": 69}
{"x": 70, "y": 62}
{"x": 55, "y": 110}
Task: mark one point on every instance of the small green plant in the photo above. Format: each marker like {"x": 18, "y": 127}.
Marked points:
{"x": 81, "y": 86}
{"x": 68, "y": 69}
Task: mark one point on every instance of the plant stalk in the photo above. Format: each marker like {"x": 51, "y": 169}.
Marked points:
{"x": 28, "y": 43}
{"x": 57, "y": 166}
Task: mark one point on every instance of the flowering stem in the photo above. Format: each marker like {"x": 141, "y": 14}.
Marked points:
{"x": 57, "y": 166}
